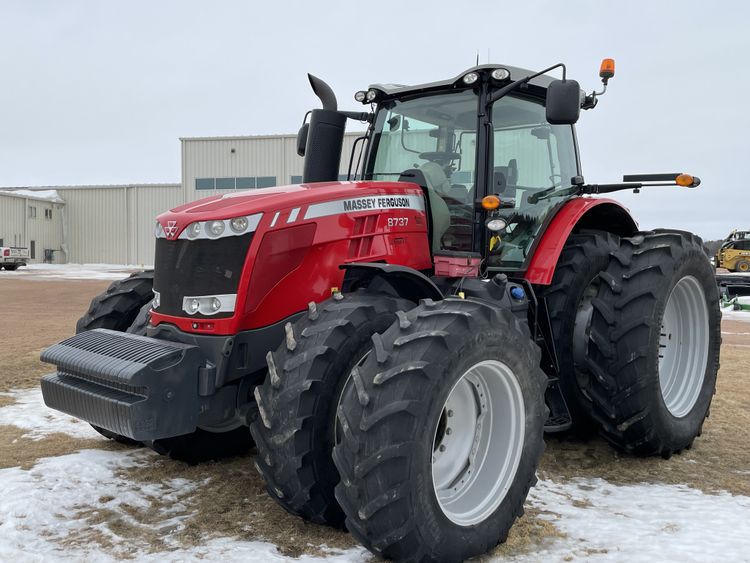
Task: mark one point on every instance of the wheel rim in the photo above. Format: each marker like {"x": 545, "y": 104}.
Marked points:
{"x": 683, "y": 346}
{"x": 478, "y": 443}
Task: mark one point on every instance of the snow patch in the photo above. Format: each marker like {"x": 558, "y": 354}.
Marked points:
{"x": 76, "y": 271}
{"x": 30, "y": 413}
{"x": 646, "y": 522}
{"x": 51, "y": 504}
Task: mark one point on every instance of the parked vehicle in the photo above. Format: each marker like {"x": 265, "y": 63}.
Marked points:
{"x": 12, "y": 257}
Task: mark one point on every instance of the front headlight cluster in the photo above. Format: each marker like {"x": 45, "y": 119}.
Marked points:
{"x": 220, "y": 228}
{"x": 209, "y": 304}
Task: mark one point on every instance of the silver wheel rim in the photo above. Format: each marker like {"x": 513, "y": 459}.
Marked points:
{"x": 683, "y": 346}
{"x": 478, "y": 443}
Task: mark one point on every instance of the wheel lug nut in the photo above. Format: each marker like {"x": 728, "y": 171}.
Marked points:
{"x": 450, "y": 413}
{"x": 448, "y": 431}
{"x": 442, "y": 448}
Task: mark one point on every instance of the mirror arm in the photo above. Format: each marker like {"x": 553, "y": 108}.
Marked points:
{"x": 520, "y": 82}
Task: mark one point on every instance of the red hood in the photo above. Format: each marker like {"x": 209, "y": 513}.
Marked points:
{"x": 249, "y": 202}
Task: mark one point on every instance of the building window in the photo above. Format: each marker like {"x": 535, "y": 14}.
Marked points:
{"x": 32, "y": 250}
{"x": 48, "y": 214}
{"x": 245, "y": 183}
{"x": 265, "y": 181}
{"x": 204, "y": 183}
{"x": 32, "y": 212}
{"x": 224, "y": 183}
{"x": 296, "y": 179}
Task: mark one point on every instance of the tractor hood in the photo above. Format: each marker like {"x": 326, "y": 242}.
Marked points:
{"x": 303, "y": 201}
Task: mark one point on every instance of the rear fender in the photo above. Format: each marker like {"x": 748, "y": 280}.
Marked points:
{"x": 577, "y": 214}
{"x": 400, "y": 281}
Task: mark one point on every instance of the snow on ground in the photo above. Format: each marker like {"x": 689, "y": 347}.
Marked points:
{"x": 49, "y": 512}
{"x": 74, "y": 271}
{"x": 646, "y": 522}
{"x": 30, "y": 413}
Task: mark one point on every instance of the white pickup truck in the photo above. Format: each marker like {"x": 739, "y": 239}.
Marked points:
{"x": 11, "y": 257}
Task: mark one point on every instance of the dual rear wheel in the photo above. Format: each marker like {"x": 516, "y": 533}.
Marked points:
{"x": 434, "y": 423}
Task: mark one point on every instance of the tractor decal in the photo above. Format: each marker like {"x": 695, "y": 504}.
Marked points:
{"x": 370, "y": 203}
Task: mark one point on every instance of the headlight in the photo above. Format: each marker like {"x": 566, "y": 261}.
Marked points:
{"x": 220, "y": 228}
{"x": 238, "y": 224}
{"x": 193, "y": 230}
{"x": 496, "y": 224}
{"x": 157, "y": 300}
{"x": 470, "y": 77}
{"x": 159, "y": 231}
{"x": 500, "y": 74}
{"x": 209, "y": 304}
{"x": 215, "y": 228}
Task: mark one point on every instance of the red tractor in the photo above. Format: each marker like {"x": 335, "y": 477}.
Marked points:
{"x": 398, "y": 344}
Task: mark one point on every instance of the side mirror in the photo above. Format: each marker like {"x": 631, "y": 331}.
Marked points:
{"x": 563, "y": 102}
{"x": 302, "y": 139}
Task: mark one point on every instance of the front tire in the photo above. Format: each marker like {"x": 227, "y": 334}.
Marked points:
{"x": 655, "y": 339}
{"x": 295, "y": 429}
{"x": 442, "y": 435}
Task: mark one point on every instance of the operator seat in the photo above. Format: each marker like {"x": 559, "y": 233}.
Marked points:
{"x": 439, "y": 214}
{"x": 438, "y": 185}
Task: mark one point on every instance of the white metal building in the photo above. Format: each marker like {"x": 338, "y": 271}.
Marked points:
{"x": 114, "y": 224}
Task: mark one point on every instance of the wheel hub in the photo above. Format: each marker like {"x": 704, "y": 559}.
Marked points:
{"x": 683, "y": 346}
{"x": 478, "y": 442}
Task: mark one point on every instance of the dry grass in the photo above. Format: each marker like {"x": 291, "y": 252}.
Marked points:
{"x": 231, "y": 501}
{"x": 35, "y": 315}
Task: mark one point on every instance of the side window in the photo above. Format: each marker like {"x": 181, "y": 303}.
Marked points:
{"x": 529, "y": 152}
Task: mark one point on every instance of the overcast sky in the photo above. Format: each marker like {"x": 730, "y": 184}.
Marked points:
{"x": 100, "y": 92}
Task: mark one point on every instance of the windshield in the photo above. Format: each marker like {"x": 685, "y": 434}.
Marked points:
{"x": 431, "y": 141}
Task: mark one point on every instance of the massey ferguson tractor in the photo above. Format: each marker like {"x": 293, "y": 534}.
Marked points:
{"x": 395, "y": 346}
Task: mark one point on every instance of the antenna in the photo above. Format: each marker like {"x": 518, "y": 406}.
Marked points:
{"x": 477, "y": 57}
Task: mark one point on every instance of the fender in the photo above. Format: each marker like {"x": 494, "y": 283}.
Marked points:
{"x": 578, "y": 213}
{"x": 405, "y": 282}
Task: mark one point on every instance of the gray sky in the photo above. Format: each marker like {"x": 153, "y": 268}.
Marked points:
{"x": 99, "y": 92}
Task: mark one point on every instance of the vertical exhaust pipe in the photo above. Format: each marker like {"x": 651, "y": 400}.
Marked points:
{"x": 325, "y": 136}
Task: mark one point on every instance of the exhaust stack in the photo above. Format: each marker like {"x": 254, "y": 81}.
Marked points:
{"x": 325, "y": 136}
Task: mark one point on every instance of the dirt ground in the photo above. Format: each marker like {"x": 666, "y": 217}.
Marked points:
{"x": 39, "y": 313}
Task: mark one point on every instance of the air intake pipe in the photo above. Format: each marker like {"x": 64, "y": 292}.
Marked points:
{"x": 325, "y": 136}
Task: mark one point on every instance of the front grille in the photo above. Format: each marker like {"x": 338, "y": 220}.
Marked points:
{"x": 197, "y": 267}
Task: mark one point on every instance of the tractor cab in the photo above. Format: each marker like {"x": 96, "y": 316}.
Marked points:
{"x": 496, "y": 131}
{"x": 460, "y": 146}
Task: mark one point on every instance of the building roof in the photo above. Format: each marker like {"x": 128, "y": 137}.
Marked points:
{"x": 50, "y": 196}
{"x": 89, "y": 187}
{"x": 259, "y": 137}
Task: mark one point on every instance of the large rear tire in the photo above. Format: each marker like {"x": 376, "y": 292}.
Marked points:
{"x": 297, "y": 402}
{"x": 569, "y": 298}
{"x": 654, "y": 347}
{"x": 441, "y": 433}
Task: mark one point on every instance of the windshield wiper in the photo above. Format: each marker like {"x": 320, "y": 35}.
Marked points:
{"x": 549, "y": 192}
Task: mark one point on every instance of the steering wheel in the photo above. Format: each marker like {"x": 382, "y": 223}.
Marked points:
{"x": 439, "y": 156}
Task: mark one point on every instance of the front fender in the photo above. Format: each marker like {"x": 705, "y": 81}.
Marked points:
{"x": 578, "y": 213}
